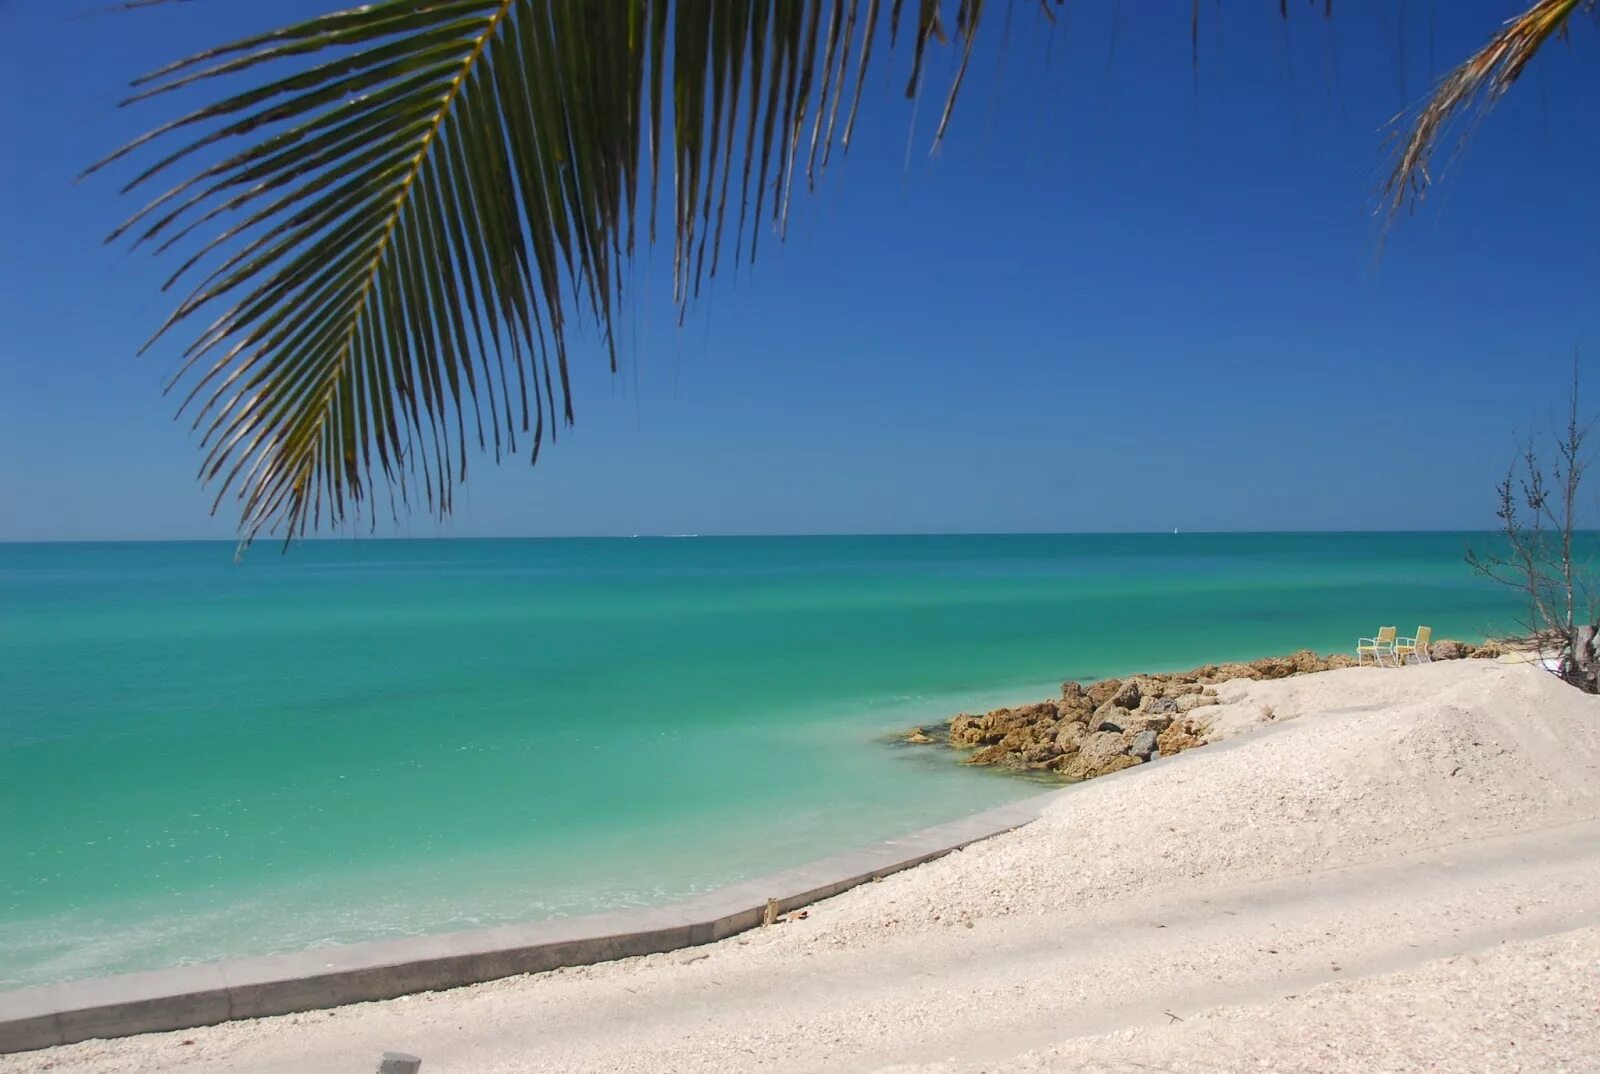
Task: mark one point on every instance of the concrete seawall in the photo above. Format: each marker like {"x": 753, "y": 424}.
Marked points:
{"x": 191, "y": 996}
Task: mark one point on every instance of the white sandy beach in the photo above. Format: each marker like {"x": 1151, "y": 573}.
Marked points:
{"x": 1391, "y": 870}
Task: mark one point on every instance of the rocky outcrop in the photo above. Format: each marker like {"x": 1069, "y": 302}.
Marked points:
{"x": 1143, "y": 744}
{"x": 1493, "y": 649}
{"x": 1069, "y": 736}
{"x": 1113, "y": 724}
{"x": 1100, "y": 753}
{"x": 1447, "y": 649}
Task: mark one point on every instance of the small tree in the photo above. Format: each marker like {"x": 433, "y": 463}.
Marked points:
{"x": 1539, "y": 510}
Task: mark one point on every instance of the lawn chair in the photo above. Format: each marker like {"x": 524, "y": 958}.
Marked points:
{"x": 1414, "y": 650}
{"x": 1380, "y": 648}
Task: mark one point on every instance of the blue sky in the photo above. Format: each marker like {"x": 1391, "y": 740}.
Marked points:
{"x": 1123, "y": 296}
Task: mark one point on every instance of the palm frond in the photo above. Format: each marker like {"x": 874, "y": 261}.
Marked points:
{"x": 1480, "y": 81}
{"x": 392, "y": 215}
{"x": 398, "y": 208}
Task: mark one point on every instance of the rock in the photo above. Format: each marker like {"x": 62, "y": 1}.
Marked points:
{"x": 1078, "y": 708}
{"x": 1143, "y": 744}
{"x": 1075, "y": 701}
{"x": 1306, "y": 661}
{"x": 986, "y": 756}
{"x": 1100, "y": 746}
{"x": 1090, "y": 730}
{"x": 1149, "y": 723}
{"x": 996, "y": 755}
{"x": 1272, "y": 667}
{"x": 1037, "y": 755}
{"x": 1018, "y": 739}
{"x": 1099, "y": 693}
{"x": 1449, "y": 649}
{"x": 1069, "y": 735}
{"x": 918, "y": 737}
{"x": 1127, "y": 695}
{"x": 965, "y": 730}
{"x": 1117, "y": 706}
{"x": 1177, "y": 738}
{"x": 1044, "y": 710}
{"x": 1489, "y": 650}
{"x": 1077, "y": 768}
{"x": 1224, "y": 672}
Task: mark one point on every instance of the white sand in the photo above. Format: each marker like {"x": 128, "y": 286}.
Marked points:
{"x": 1396, "y": 870}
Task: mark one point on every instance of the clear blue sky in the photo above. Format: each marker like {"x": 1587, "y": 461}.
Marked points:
{"x": 1123, "y": 296}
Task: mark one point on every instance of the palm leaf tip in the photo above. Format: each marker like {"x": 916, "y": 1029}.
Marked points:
{"x": 391, "y": 225}
{"x": 1482, "y": 79}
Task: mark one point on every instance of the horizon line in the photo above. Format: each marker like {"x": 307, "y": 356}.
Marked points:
{"x": 757, "y": 536}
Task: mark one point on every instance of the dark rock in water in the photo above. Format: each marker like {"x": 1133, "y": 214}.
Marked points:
{"x": 1143, "y": 744}
{"x": 918, "y": 737}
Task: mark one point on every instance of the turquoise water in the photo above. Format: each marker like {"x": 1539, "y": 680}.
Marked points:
{"x": 200, "y": 759}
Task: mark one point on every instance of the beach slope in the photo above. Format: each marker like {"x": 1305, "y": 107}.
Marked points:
{"x": 1395, "y": 869}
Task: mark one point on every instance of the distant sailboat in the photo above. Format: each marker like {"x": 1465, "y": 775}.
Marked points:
{"x": 1174, "y": 533}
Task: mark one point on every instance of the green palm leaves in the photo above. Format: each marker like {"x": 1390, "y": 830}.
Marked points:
{"x": 398, "y": 214}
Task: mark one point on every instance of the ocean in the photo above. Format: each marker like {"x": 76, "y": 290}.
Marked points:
{"x": 365, "y": 739}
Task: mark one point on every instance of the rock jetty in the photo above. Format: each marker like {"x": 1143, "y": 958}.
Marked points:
{"x": 1113, "y": 724}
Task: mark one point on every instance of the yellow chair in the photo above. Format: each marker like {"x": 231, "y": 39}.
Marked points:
{"x": 1415, "y": 650}
{"x": 1378, "y": 648}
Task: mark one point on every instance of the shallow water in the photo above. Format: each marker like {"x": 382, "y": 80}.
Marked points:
{"x": 201, "y": 759}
